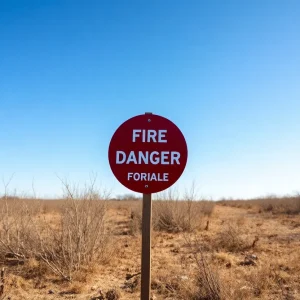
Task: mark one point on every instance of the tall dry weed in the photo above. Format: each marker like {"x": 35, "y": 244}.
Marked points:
{"x": 174, "y": 215}
{"x": 231, "y": 238}
{"x": 66, "y": 242}
{"x": 207, "y": 282}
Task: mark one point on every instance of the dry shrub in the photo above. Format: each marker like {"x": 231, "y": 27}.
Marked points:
{"x": 286, "y": 205}
{"x": 135, "y": 225}
{"x": 52, "y": 206}
{"x": 173, "y": 215}
{"x": 207, "y": 282}
{"x": 15, "y": 282}
{"x": 208, "y": 286}
{"x": 113, "y": 294}
{"x": 76, "y": 239}
{"x": 33, "y": 269}
{"x": 231, "y": 239}
{"x": 250, "y": 283}
{"x": 270, "y": 203}
{"x": 18, "y": 235}
{"x": 207, "y": 207}
{"x": 171, "y": 286}
{"x": 256, "y": 281}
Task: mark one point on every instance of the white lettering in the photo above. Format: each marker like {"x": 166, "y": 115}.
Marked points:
{"x": 131, "y": 158}
{"x": 156, "y": 161}
{"x": 175, "y": 157}
{"x": 143, "y": 157}
{"x": 164, "y": 157}
{"x": 144, "y": 136}
{"x": 161, "y": 135}
{"x": 153, "y": 177}
{"x": 151, "y": 135}
{"x": 148, "y": 176}
{"x": 118, "y": 160}
{"x": 147, "y": 157}
{"x": 135, "y": 134}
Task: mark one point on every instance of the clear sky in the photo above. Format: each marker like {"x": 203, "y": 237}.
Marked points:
{"x": 226, "y": 72}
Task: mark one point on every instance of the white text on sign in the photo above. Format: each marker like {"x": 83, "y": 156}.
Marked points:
{"x": 154, "y": 157}
{"x": 149, "y": 135}
{"x": 148, "y": 176}
{"x": 147, "y": 157}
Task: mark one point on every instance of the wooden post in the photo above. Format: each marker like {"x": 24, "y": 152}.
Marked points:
{"x": 146, "y": 247}
{"x": 2, "y": 282}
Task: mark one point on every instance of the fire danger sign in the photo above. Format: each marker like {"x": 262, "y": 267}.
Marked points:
{"x": 147, "y": 153}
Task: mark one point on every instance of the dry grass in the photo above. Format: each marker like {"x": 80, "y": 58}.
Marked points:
{"x": 276, "y": 205}
{"x": 86, "y": 247}
{"x": 180, "y": 215}
{"x": 66, "y": 242}
{"x": 207, "y": 283}
{"x": 231, "y": 239}
{"x": 173, "y": 215}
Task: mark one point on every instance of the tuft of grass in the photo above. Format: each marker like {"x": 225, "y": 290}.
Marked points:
{"x": 231, "y": 239}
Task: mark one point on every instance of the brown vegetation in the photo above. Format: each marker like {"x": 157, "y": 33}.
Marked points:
{"x": 67, "y": 241}
{"x": 89, "y": 247}
{"x": 275, "y": 205}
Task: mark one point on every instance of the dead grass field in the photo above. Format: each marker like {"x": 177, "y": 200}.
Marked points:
{"x": 200, "y": 250}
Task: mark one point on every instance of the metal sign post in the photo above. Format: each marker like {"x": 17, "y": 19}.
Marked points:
{"x": 146, "y": 247}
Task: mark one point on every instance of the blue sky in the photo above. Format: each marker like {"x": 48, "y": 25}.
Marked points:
{"x": 226, "y": 72}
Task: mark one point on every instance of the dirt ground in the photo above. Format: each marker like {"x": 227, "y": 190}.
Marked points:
{"x": 250, "y": 255}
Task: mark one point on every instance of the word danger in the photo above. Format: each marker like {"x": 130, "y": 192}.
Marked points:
{"x": 148, "y": 157}
{"x": 148, "y": 176}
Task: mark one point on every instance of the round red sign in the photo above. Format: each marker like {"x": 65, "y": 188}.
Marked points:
{"x": 147, "y": 153}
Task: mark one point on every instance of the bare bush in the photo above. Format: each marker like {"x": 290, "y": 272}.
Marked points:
{"x": 207, "y": 283}
{"x": 18, "y": 234}
{"x": 231, "y": 239}
{"x": 135, "y": 225}
{"x": 173, "y": 215}
{"x": 67, "y": 242}
{"x": 287, "y": 205}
